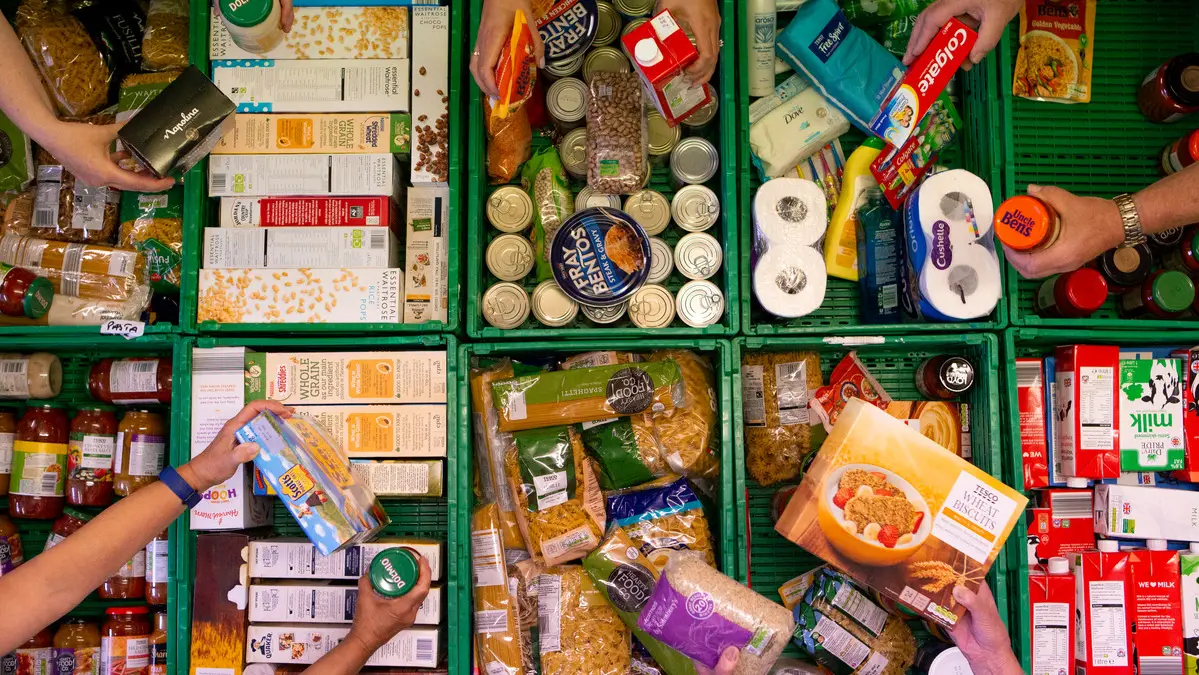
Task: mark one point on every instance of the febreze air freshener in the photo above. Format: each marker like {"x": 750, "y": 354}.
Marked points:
{"x": 923, "y": 83}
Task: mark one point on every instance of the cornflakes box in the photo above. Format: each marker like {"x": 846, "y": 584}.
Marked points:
{"x": 900, "y": 514}
{"x": 311, "y": 474}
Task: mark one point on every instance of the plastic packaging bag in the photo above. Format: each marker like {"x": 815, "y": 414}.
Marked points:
{"x": 626, "y": 450}
{"x": 617, "y": 146}
{"x": 497, "y": 641}
{"x": 849, "y": 380}
{"x": 778, "y": 436}
{"x": 509, "y": 143}
{"x": 79, "y": 270}
{"x": 544, "y": 178}
{"x": 509, "y": 135}
{"x": 153, "y": 224}
{"x": 75, "y": 72}
{"x": 663, "y": 518}
{"x": 688, "y": 435}
{"x": 66, "y": 310}
{"x": 580, "y": 632}
{"x": 67, "y": 209}
{"x": 164, "y": 46}
{"x": 490, "y": 446}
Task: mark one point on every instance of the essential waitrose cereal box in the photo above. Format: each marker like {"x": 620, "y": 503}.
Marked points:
{"x": 900, "y": 513}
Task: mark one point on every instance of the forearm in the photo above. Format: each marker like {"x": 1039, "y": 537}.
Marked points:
{"x": 348, "y": 657}
{"x": 1170, "y": 202}
{"x": 22, "y": 98}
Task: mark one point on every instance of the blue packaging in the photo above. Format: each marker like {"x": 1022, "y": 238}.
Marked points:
{"x": 880, "y": 259}
{"x": 600, "y": 256}
{"x": 1056, "y": 477}
{"x": 855, "y": 73}
{"x": 637, "y": 510}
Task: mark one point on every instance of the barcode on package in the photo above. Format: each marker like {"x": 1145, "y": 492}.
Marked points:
{"x": 220, "y": 183}
{"x": 485, "y": 558}
{"x": 378, "y": 239}
{"x": 888, "y": 297}
{"x": 49, "y": 481}
{"x": 791, "y": 387}
{"x": 72, "y": 268}
{"x": 1028, "y": 373}
{"x": 424, "y": 650}
{"x": 491, "y": 621}
{"x": 549, "y": 614}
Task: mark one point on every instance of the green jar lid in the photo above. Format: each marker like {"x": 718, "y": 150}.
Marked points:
{"x": 246, "y": 13}
{"x": 76, "y": 514}
{"x": 1173, "y": 291}
{"x": 394, "y": 572}
{"x": 1195, "y": 243}
{"x": 38, "y": 298}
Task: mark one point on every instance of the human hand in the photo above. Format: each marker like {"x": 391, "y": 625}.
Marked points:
{"x": 378, "y": 619}
{"x": 495, "y": 28}
{"x": 703, "y": 19}
{"x": 83, "y": 150}
{"x": 992, "y": 17}
{"x": 981, "y": 635}
{"x": 224, "y": 454}
{"x": 1089, "y": 225}
{"x": 726, "y": 665}
{"x": 287, "y": 15}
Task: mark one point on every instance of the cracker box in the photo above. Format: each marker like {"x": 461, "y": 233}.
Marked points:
{"x": 326, "y": 33}
{"x": 426, "y": 255}
{"x": 1087, "y": 430}
{"x": 1190, "y": 419}
{"x": 332, "y": 133}
{"x": 1135, "y": 512}
{"x": 283, "y": 247}
{"x": 1051, "y": 599}
{"x": 1102, "y": 643}
{"x": 307, "y": 603}
{"x": 300, "y": 295}
{"x": 383, "y": 430}
{"x": 261, "y": 175}
{"x": 1030, "y": 391}
{"x": 308, "y": 86}
{"x": 430, "y": 97}
{"x": 900, "y": 513}
{"x": 309, "y": 211}
{"x": 1155, "y": 609}
{"x": 336, "y": 378}
{"x": 401, "y": 478}
{"x": 1188, "y": 564}
{"x": 1151, "y": 415}
{"x": 306, "y": 643}
{"x": 218, "y": 610}
{"x": 285, "y": 558}
{"x": 660, "y": 53}
{"x": 312, "y": 477}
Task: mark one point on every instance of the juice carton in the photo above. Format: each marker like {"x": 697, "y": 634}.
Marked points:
{"x": 1155, "y": 609}
{"x": 1189, "y": 570}
{"x": 1051, "y": 598}
{"x": 1087, "y": 376}
{"x": 1190, "y": 418}
{"x": 1030, "y": 387}
{"x": 1102, "y": 643}
{"x": 661, "y": 51}
{"x": 1151, "y": 415}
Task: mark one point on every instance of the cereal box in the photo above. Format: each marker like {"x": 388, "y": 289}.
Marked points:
{"x": 383, "y": 430}
{"x": 299, "y": 559}
{"x": 309, "y": 211}
{"x": 306, "y": 643}
{"x": 1155, "y": 609}
{"x": 306, "y": 86}
{"x": 333, "y": 133}
{"x": 1030, "y": 388}
{"x": 400, "y": 478}
{"x": 431, "y": 96}
{"x": 899, "y": 513}
{"x": 312, "y": 477}
{"x": 300, "y": 295}
{"x": 218, "y": 605}
{"x": 1101, "y": 638}
{"x": 283, "y": 247}
{"x": 1136, "y": 512}
{"x": 307, "y": 603}
{"x": 1189, "y": 572}
{"x": 426, "y": 255}
{"x": 326, "y": 33}
{"x": 334, "y": 378}
{"x": 1087, "y": 433}
{"x": 257, "y": 175}
{"x": 1151, "y": 415}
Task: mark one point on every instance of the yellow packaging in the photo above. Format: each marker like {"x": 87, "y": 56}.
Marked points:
{"x": 383, "y": 430}
{"x": 336, "y": 378}
{"x": 316, "y": 133}
{"x": 841, "y": 240}
{"x": 899, "y": 513}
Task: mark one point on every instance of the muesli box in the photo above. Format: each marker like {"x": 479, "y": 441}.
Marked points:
{"x": 326, "y": 33}
{"x": 899, "y": 513}
{"x": 317, "y": 133}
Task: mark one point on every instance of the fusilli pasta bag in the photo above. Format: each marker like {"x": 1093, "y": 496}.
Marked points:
{"x": 580, "y": 632}
{"x": 688, "y": 435}
{"x": 778, "y": 435}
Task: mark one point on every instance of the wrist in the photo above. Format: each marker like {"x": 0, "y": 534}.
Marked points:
{"x": 989, "y": 663}
{"x": 1111, "y": 225}
{"x": 189, "y": 474}
{"x": 363, "y": 644}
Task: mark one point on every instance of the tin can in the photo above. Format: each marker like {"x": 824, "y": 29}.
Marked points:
{"x": 566, "y": 102}
{"x": 605, "y": 60}
{"x": 565, "y": 68}
{"x": 505, "y": 305}
{"x": 779, "y": 501}
{"x": 703, "y": 116}
{"x": 695, "y": 208}
{"x": 652, "y": 306}
{"x": 700, "y": 303}
{"x": 661, "y": 136}
{"x": 661, "y": 261}
{"x": 599, "y": 257}
{"x": 509, "y": 257}
{"x": 551, "y": 306}
{"x": 605, "y": 315}
{"x": 650, "y": 209}
{"x": 634, "y": 8}
{"x": 698, "y": 255}
{"x": 589, "y": 198}
{"x": 567, "y": 28}
{"x": 694, "y": 161}
{"x": 510, "y": 209}
{"x": 394, "y": 572}
{"x": 572, "y": 149}
{"x": 608, "y": 29}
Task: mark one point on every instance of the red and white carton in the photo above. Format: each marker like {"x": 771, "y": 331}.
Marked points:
{"x": 1190, "y": 414}
{"x": 1030, "y": 392}
{"x": 303, "y": 211}
{"x": 1102, "y": 643}
{"x": 1061, "y": 525}
{"x": 1051, "y": 598}
{"x": 1155, "y": 608}
{"x": 1087, "y": 376}
{"x": 661, "y": 51}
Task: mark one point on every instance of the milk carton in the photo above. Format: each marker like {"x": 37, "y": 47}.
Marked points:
{"x": 1030, "y": 389}
{"x": 1155, "y": 609}
{"x": 1051, "y": 602}
{"x": 1086, "y": 410}
{"x": 1190, "y": 420}
{"x": 1102, "y": 643}
{"x": 1188, "y": 564}
{"x": 1151, "y": 415}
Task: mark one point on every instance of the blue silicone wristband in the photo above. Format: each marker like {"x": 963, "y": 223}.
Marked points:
{"x": 171, "y": 478}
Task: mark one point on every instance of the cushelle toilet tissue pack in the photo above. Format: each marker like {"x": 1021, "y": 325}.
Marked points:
{"x": 789, "y": 273}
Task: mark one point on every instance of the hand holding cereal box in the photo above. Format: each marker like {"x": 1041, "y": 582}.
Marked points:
{"x": 900, "y": 513}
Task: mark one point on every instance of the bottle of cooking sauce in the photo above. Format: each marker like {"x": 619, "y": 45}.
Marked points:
{"x": 136, "y": 381}
{"x": 1125, "y": 267}
{"x": 23, "y": 376}
{"x": 1185, "y": 256}
{"x": 23, "y": 293}
{"x": 125, "y": 642}
{"x": 37, "y": 486}
{"x": 1181, "y": 153}
{"x": 89, "y": 464}
{"x": 1164, "y": 295}
{"x": 36, "y": 655}
{"x": 8, "y": 436}
{"x": 944, "y": 377}
{"x": 1072, "y": 295}
{"x": 156, "y": 569}
{"x": 1025, "y": 223}
{"x": 66, "y": 525}
{"x": 11, "y": 552}
{"x": 141, "y": 450}
{"x": 129, "y": 583}
{"x": 77, "y": 648}
{"x": 158, "y": 645}
{"x": 1171, "y": 91}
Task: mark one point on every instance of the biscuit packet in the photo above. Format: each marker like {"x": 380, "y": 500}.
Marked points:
{"x": 1056, "y": 51}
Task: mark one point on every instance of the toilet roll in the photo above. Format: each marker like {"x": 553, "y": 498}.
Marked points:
{"x": 790, "y": 281}
{"x": 789, "y": 211}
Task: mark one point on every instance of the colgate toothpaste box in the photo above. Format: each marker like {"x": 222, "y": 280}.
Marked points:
{"x": 1102, "y": 644}
{"x": 1190, "y": 414}
{"x": 923, "y": 83}
{"x": 1052, "y": 600}
{"x": 661, "y": 51}
{"x": 1030, "y": 392}
{"x": 1155, "y": 609}
{"x": 1087, "y": 376}
{"x": 303, "y": 211}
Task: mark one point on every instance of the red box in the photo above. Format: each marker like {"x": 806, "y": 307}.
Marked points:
{"x": 1051, "y": 599}
{"x": 1155, "y": 610}
{"x": 1030, "y": 391}
{"x": 1050, "y": 537}
{"x": 1088, "y": 433}
{"x": 1104, "y": 644}
{"x": 1190, "y": 415}
{"x": 303, "y": 211}
{"x": 661, "y": 51}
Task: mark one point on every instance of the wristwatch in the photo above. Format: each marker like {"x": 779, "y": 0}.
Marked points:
{"x": 1134, "y": 235}
{"x": 171, "y": 478}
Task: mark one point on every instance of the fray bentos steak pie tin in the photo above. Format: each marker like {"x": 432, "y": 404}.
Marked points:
{"x": 600, "y": 256}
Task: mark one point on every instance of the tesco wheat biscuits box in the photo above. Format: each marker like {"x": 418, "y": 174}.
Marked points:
{"x": 310, "y": 86}
{"x": 1087, "y": 408}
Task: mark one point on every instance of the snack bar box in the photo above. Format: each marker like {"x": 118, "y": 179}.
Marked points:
{"x": 308, "y": 86}
{"x": 307, "y": 643}
{"x": 264, "y": 175}
{"x": 299, "y": 559}
{"x": 307, "y": 603}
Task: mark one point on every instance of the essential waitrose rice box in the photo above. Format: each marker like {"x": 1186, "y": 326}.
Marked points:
{"x": 266, "y": 85}
{"x": 334, "y": 378}
{"x": 326, "y": 33}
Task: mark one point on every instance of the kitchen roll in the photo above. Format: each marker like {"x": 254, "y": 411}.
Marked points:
{"x": 790, "y": 281}
{"x": 789, "y": 211}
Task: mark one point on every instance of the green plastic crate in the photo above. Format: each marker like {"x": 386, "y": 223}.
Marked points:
{"x": 767, "y": 559}
{"x": 78, "y": 354}
{"x": 480, "y": 232}
{"x": 1101, "y": 148}
{"x": 976, "y": 149}
{"x": 200, "y": 211}
{"x": 425, "y": 517}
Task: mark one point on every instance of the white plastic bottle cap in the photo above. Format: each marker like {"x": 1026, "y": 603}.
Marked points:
{"x": 1108, "y": 546}
{"x": 1059, "y": 565}
{"x": 1156, "y": 544}
{"x": 647, "y": 53}
{"x": 1194, "y": 547}
{"x": 1076, "y": 482}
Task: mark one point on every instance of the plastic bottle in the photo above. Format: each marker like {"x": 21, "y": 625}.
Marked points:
{"x": 759, "y": 22}
{"x": 840, "y": 241}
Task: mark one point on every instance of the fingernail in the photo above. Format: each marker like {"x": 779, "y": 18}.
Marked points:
{"x": 961, "y": 594}
{"x": 1033, "y": 188}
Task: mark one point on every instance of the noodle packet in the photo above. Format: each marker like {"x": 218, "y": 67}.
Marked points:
{"x": 663, "y": 517}
{"x": 849, "y": 380}
{"x": 1056, "y": 51}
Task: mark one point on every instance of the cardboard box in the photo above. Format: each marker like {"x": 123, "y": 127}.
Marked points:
{"x": 1133, "y": 512}
{"x": 299, "y": 559}
{"x": 667, "y": 53}
{"x": 283, "y": 247}
{"x": 312, "y": 478}
{"x": 338, "y": 378}
{"x": 945, "y": 422}
{"x": 426, "y": 255}
{"x": 1087, "y": 376}
{"x": 1030, "y": 392}
{"x": 300, "y": 295}
{"x": 267, "y": 175}
{"x": 1190, "y": 419}
{"x": 326, "y": 33}
{"x": 308, "y": 603}
{"x": 1102, "y": 642}
{"x": 309, "y": 211}
{"x": 332, "y": 133}
{"x": 1155, "y": 610}
{"x": 1061, "y": 527}
{"x": 306, "y": 643}
{"x": 387, "y": 431}
{"x": 412, "y": 478}
{"x": 218, "y": 610}
{"x": 1151, "y": 415}
{"x": 1188, "y": 564}
{"x": 431, "y": 97}
{"x": 1051, "y": 599}
{"x": 877, "y": 492}
{"x": 305, "y": 86}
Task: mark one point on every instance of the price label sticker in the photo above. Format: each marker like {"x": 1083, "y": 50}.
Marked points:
{"x": 126, "y": 329}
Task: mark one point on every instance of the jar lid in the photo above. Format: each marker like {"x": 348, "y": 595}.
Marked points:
{"x": 509, "y": 257}
{"x": 552, "y": 306}
{"x": 1086, "y": 289}
{"x": 38, "y": 297}
{"x": 698, "y": 255}
{"x": 567, "y": 28}
{"x": 661, "y": 261}
{"x": 1173, "y": 291}
{"x": 134, "y": 609}
{"x": 694, "y": 160}
{"x": 695, "y": 208}
{"x": 394, "y": 572}
{"x": 76, "y": 514}
{"x": 652, "y": 306}
{"x": 505, "y": 305}
{"x": 650, "y": 209}
{"x": 1195, "y": 242}
{"x": 510, "y": 209}
{"x": 246, "y": 13}
{"x": 1024, "y": 222}
{"x": 956, "y": 374}
{"x": 599, "y": 257}
{"x": 700, "y": 303}
{"x": 1169, "y": 237}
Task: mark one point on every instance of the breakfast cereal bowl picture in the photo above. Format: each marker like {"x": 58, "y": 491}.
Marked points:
{"x": 872, "y": 516}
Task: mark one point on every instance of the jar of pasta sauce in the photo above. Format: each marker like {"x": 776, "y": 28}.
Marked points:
{"x": 1125, "y": 267}
{"x": 136, "y": 381}
{"x": 66, "y": 525}
{"x": 1072, "y": 295}
{"x": 1166, "y": 294}
{"x": 141, "y": 451}
{"x": 89, "y": 464}
{"x": 1181, "y": 153}
{"x": 11, "y": 552}
{"x": 157, "y": 558}
{"x": 158, "y": 645}
{"x": 37, "y": 486}
{"x": 77, "y": 648}
{"x": 8, "y": 436}
{"x": 125, "y": 641}
{"x": 129, "y": 582}
{"x": 35, "y": 657}
{"x": 1171, "y": 91}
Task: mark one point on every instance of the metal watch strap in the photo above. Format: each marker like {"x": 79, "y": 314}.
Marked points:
{"x": 186, "y": 494}
{"x": 1134, "y": 235}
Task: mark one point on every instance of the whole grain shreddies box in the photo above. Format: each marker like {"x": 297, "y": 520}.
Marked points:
{"x": 900, "y": 513}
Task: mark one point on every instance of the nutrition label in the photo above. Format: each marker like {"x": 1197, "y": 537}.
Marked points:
{"x": 1051, "y": 638}
{"x": 1108, "y": 628}
{"x": 1095, "y": 405}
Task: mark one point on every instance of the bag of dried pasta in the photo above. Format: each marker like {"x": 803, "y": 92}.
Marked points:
{"x": 663, "y": 517}
{"x": 688, "y": 435}
{"x": 559, "y": 504}
{"x": 153, "y": 224}
{"x": 871, "y": 640}
{"x": 496, "y": 622}
{"x": 74, "y": 70}
{"x": 164, "y": 46}
{"x": 580, "y": 632}
{"x": 67, "y": 209}
{"x": 774, "y": 394}
{"x": 544, "y": 178}
{"x": 491, "y": 444}
{"x": 79, "y": 270}
{"x": 525, "y": 575}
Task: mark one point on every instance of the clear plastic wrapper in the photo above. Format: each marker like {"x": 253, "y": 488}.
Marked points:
{"x": 544, "y": 178}
{"x": 80, "y": 270}
{"x": 497, "y": 641}
{"x": 66, "y": 310}
{"x": 490, "y": 446}
{"x": 688, "y": 434}
{"x": 580, "y": 632}
{"x": 617, "y": 146}
{"x": 18, "y": 213}
{"x": 778, "y": 435}
{"x": 509, "y": 144}
{"x": 153, "y": 224}
{"x": 75, "y": 72}
{"x": 663, "y": 517}
{"x": 164, "y": 45}
{"x": 509, "y": 136}
{"x": 525, "y": 574}
{"x": 67, "y": 209}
